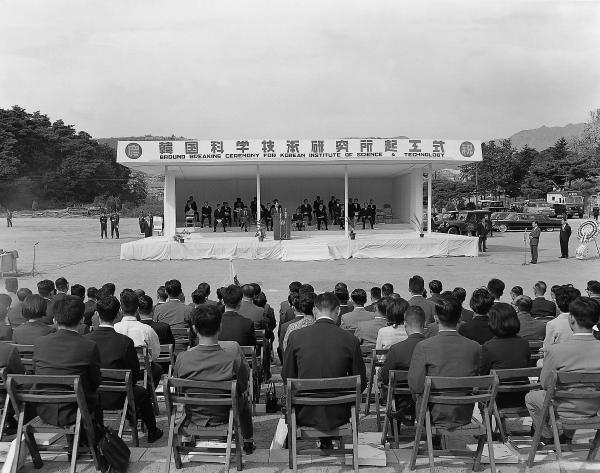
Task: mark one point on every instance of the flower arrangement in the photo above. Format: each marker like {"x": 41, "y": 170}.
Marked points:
{"x": 418, "y": 225}
{"x": 260, "y": 231}
{"x": 181, "y": 236}
{"x": 351, "y": 222}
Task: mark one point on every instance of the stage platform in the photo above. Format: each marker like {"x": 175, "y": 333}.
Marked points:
{"x": 392, "y": 241}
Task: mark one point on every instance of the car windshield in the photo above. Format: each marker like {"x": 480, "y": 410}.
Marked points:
{"x": 499, "y": 215}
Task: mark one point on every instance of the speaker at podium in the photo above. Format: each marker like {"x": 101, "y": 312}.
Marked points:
{"x": 282, "y": 225}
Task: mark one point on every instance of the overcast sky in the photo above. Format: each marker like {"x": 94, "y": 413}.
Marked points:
{"x": 302, "y": 69}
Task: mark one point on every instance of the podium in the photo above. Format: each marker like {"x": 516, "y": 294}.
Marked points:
{"x": 282, "y": 225}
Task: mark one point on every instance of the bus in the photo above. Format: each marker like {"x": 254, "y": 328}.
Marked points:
{"x": 572, "y": 200}
{"x": 492, "y": 205}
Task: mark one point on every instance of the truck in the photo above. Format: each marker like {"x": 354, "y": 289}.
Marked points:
{"x": 573, "y": 201}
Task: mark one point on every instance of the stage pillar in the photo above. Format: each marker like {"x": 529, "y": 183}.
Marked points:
{"x": 170, "y": 207}
{"x": 429, "y": 219}
{"x": 346, "y": 224}
{"x": 416, "y": 194}
{"x": 257, "y": 194}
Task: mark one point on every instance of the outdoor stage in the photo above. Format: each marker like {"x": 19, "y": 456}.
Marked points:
{"x": 392, "y": 241}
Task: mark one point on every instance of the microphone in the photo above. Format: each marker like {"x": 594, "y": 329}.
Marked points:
{"x": 36, "y": 243}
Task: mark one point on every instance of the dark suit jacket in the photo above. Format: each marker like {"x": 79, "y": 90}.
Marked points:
{"x": 163, "y": 330}
{"x": 323, "y": 350}
{"x": 29, "y": 332}
{"x": 425, "y": 304}
{"x": 565, "y": 233}
{"x": 49, "y": 317}
{"x": 466, "y": 315}
{"x": 399, "y": 356}
{"x": 542, "y": 307}
{"x": 531, "y": 329}
{"x": 238, "y": 329}
{"x": 505, "y": 353}
{"x": 253, "y": 312}
{"x": 15, "y": 315}
{"x": 90, "y": 309}
{"x": 66, "y": 353}
{"x": 10, "y": 359}
{"x": 477, "y": 329}
{"x": 5, "y": 332}
{"x": 446, "y": 354}
{"x": 118, "y": 353}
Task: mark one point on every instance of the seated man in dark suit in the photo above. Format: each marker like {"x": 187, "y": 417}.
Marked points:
{"x": 416, "y": 287}
{"x": 496, "y": 288}
{"x": 163, "y": 330}
{"x": 5, "y": 329}
{"x": 118, "y": 353}
{"x": 542, "y": 307}
{"x": 249, "y": 310}
{"x": 15, "y": 313}
{"x": 173, "y": 312}
{"x": 323, "y": 350}
{"x": 67, "y": 353}
{"x": 531, "y": 329}
{"x": 478, "y": 328}
{"x": 34, "y": 308}
{"x": 461, "y": 295}
{"x": 375, "y": 294}
{"x": 446, "y": 354}
{"x": 350, "y": 320}
{"x": 234, "y": 327}
{"x": 209, "y": 361}
{"x": 47, "y": 290}
{"x": 90, "y": 305}
{"x": 9, "y": 359}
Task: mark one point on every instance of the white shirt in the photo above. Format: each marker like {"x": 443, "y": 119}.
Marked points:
{"x": 558, "y": 330}
{"x": 141, "y": 334}
{"x": 388, "y": 336}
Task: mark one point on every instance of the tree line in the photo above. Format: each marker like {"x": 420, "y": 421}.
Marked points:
{"x": 55, "y": 165}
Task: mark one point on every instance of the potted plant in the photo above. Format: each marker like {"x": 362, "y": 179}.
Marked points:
{"x": 260, "y": 231}
{"x": 350, "y": 223}
{"x": 418, "y": 225}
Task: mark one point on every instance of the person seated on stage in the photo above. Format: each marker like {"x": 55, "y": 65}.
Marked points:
{"x": 238, "y": 205}
{"x": 351, "y": 319}
{"x": 244, "y": 218}
{"x": 234, "y": 326}
{"x": 372, "y": 212}
{"x": 206, "y": 215}
{"x": 15, "y": 313}
{"x": 214, "y": 360}
{"x": 331, "y": 209}
{"x": 446, "y": 354}
{"x": 580, "y": 352}
{"x": 34, "y": 308}
{"x": 298, "y": 219}
{"x": 190, "y": 205}
{"x": 364, "y": 215}
{"x": 117, "y": 352}
{"x": 338, "y": 210}
{"x": 506, "y": 350}
{"x": 220, "y": 217}
{"x": 394, "y": 331}
{"x": 253, "y": 208}
{"x": 357, "y": 210}
{"x": 559, "y": 329}
{"x": 306, "y": 210}
{"x": 267, "y": 216}
{"x": 227, "y": 214}
{"x": 478, "y": 327}
{"x": 321, "y": 214}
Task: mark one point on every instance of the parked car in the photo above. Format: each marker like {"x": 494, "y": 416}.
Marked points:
{"x": 462, "y": 222}
{"x": 523, "y": 221}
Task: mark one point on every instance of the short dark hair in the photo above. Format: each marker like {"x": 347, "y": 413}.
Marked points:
{"x": 593, "y": 286}
{"x": 23, "y": 293}
{"x": 359, "y": 296}
{"x": 415, "y": 315}
{"x": 518, "y": 290}
{"x": 129, "y": 302}
{"x": 232, "y": 295}
{"x": 161, "y": 293}
{"x": 565, "y": 295}
{"x": 34, "y": 307}
{"x": 173, "y": 288}
{"x": 416, "y": 285}
{"x": 68, "y": 311}
{"x": 108, "y": 308}
{"x": 306, "y": 302}
{"x": 145, "y": 304}
{"x": 61, "y": 284}
{"x": 260, "y": 300}
{"x": 257, "y": 288}
{"x": 110, "y": 288}
{"x": 306, "y": 288}
{"x": 219, "y": 293}
{"x": 460, "y": 293}
{"x": 294, "y": 286}
{"x": 327, "y": 301}
{"x": 496, "y": 287}
{"x": 340, "y": 285}
{"x": 78, "y": 290}
{"x": 376, "y": 293}
{"x": 45, "y": 288}
{"x": 248, "y": 291}
{"x": 198, "y": 297}
{"x": 92, "y": 292}
{"x": 206, "y": 320}
{"x": 435, "y": 286}
{"x": 585, "y": 311}
{"x": 448, "y": 310}
{"x": 382, "y": 305}
{"x": 11, "y": 284}
{"x": 387, "y": 289}
{"x": 523, "y": 303}
{"x": 503, "y": 320}
{"x": 139, "y": 292}
{"x": 205, "y": 287}
{"x": 481, "y": 301}
{"x": 395, "y": 311}
{"x": 342, "y": 295}
{"x": 541, "y": 286}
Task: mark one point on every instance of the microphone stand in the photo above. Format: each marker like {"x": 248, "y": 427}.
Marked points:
{"x": 33, "y": 268}
{"x": 524, "y": 248}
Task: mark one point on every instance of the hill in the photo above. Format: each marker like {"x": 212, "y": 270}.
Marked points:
{"x": 545, "y": 136}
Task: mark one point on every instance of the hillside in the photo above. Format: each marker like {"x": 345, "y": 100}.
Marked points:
{"x": 545, "y": 136}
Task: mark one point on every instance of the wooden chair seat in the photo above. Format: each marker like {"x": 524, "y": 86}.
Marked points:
{"x": 311, "y": 432}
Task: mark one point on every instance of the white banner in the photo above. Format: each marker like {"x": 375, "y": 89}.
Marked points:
{"x": 363, "y": 149}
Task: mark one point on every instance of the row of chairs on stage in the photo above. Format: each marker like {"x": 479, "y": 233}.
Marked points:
{"x": 180, "y": 394}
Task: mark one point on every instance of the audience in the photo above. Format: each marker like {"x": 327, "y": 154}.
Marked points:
{"x": 375, "y": 295}
{"x": 496, "y": 288}
{"x": 34, "y": 309}
{"x": 559, "y": 329}
{"x": 306, "y": 304}
{"x": 343, "y": 297}
{"x": 350, "y": 320}
{"x": 5, "y": 329}
{"x": 478, "y": 328}
{"x": 542, "y": 307}
{"x": 368, "y": 330}
{"x": 46, "y": 290}
{"x": 90, "y": 305}
{"x": 515, "y": 292}
{"x": 435, "y": 287}
{"x": 461, "y": 295}
{"x": 173, "y": 311}
{"x": 162, "y": 329}
{"x": 387, "y": 290}
{"x": 11, "y": 286}
{"x": 15, "y": 313}
{"x": 531, "y": 329}
{"x": 251, "y": 311}
{"x": 234, "y": 327}
{"x": 395, "y": 331}
{"x": 11, "y": 362}
{"x": 416, "y": 287}
{"x": 293, "y": 287}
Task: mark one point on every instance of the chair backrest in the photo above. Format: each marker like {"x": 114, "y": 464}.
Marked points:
{"x": 187, "y": 392}
{"x": 182, "y": 337}
{"x": 517, "y": 379}
{"x": 144, "y": 358}
{"x": 2, "y": 381}
{"x": 534, "y": 349}
{"x": 324, "y": 392}
{"x": 116, "y": 381}
{"x": 399, "y": 382}
{"x": 26, "y": 355}
{"x": 575, "y": 385}
{"x": 366, "y": 350}
{"x": 167, "y": 354}
{"x": 260, "y": 336}
{"x": 378, "y": 356}
{"x": 36, "y": 389}
{"x": 250, "y": 355}
{"x": 460, "y": 390}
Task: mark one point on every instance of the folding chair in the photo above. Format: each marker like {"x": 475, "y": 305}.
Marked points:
{"x": 377, "y": 359}
{"x": 568, "y": 386}
{"x": 26, "y": 355}
{"x": 157, "y": 226}
{"x": 513, "y": 381}
{"x": 455, "y": 392}
{"x": 26, "y": 390}
{"x": 190, "y": 220}
{"x": 182, "y": 337}
{"x": 263, "y": 356}
{"x": 120, "y": 381}
{"x": 188, "y": 394}
{"x": 534, "y": 351}
{"x": 250, "y": 355}
{"x": 6, "y": 400}
{"x": 147, "y": 379}
{"x": 398, "y": 386}
{"x": 167, "y": 356}
{"x": 323, "y": 392}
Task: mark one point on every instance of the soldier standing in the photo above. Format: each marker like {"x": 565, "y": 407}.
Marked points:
{"x": 114, "y": 225}
{"x": 8, "y": 218}
{"x": 103, "y": 225}
{"x": 534, "y": 240}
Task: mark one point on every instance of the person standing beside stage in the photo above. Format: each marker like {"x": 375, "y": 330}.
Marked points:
{"x": 596, "y": 212}
{"x": 565, "y": 234}
{"x": 114, "y": 225}
{"x": 9, "y": 217}
{"x": 331, "y": 208}
{"x": 481, "y": 232}
{"x": 103, "y": 225}
{"x": 219, "y": 218}
{"x": 534, "y": 239}
{"x": 206, "y": 214}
